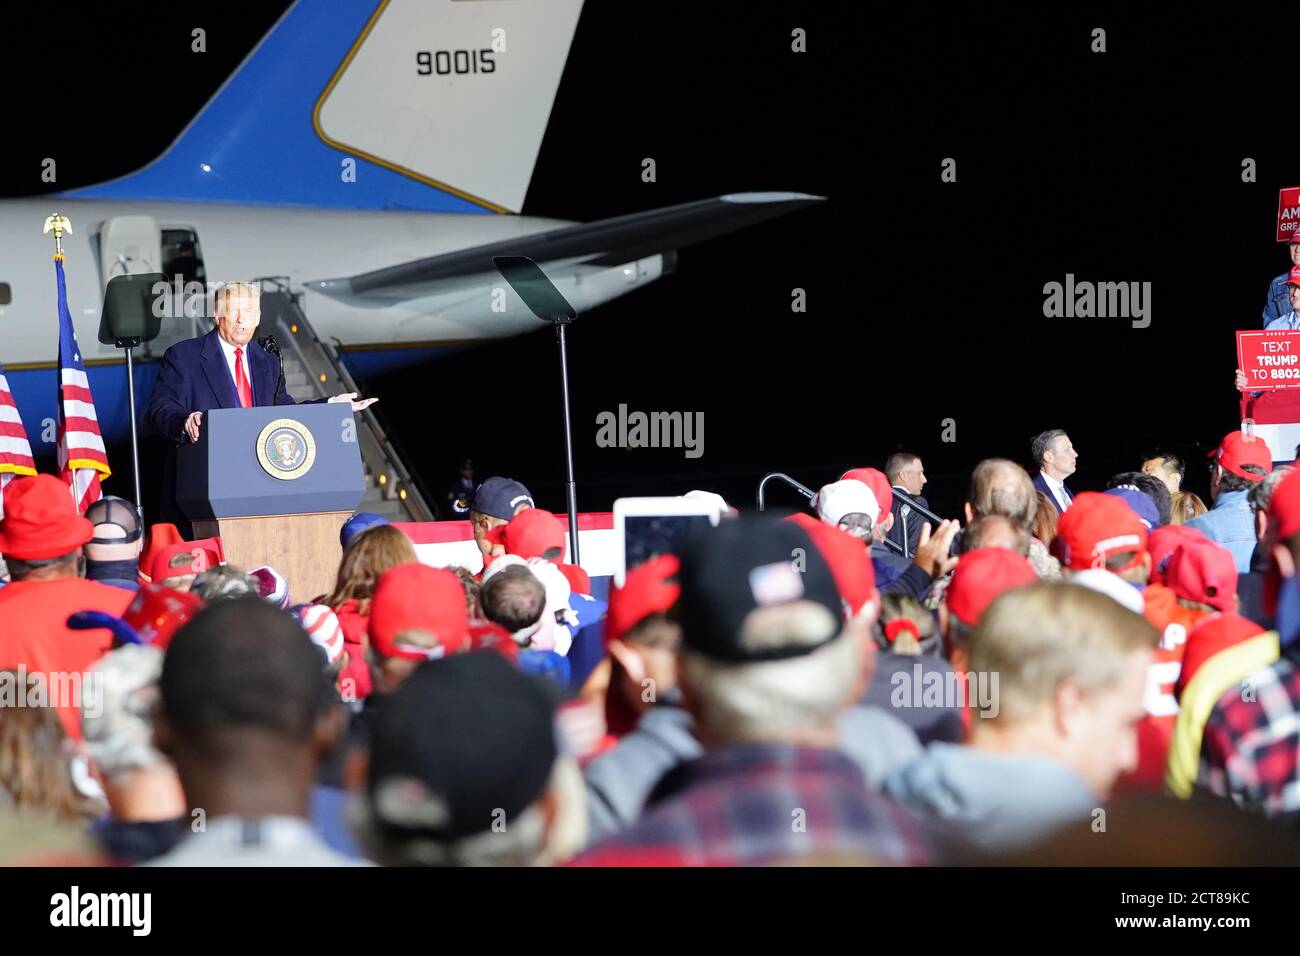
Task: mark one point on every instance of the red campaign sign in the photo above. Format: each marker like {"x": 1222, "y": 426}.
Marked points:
{"x": 1271, "y": 360}
{"x": 1288, "y": 213}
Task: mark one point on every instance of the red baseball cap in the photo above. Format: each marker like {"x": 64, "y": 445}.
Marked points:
{"x": 40, "y": 520}
{"x": 202, "y": 555}
{"x": 1294, "y": 277}
{"x": 649, "y": 588}
{"x": 1162, "y": 541}
{"x": 1237, "y": 449}
{"x": 417, "y": 597}
{"x": 1096, "y": 525}
{"x": 876, "y": 480}
{"x": 157, "y": 613}
{"x": 983, "y": 574}
{"x": 847, "y": 557}
{"x": 529, "y": 534}
{"x": 158, "y": 536}
{"x": 1284, "y": 506}
{"x": 1205, "y": 572}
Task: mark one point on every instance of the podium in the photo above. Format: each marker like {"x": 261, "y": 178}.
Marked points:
{"x": 276, "y": 484}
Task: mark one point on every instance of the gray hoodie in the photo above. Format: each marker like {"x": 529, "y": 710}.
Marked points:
{"x": 997, "y": 802}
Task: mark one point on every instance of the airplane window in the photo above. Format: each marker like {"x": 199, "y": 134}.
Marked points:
{"x": 5, "y": 295}
{"x": 182, "y": 256}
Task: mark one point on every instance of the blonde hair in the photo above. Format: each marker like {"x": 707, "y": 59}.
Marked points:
{"x": 34, "y": 769}
{"x": 1037, "y": 637}
{"x": 1185, "y": 506}
{"x": 233, "y": 290}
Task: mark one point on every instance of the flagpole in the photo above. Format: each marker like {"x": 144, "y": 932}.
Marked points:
{"x": 89, "y": 458}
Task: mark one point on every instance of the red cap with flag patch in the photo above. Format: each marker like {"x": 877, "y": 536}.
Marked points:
{"x": 983, "y": 574}
{"x": 1237, "y": 449}
{"x": 1096, "y": 526}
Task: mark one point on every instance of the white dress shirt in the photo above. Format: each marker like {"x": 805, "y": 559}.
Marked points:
{"x": 1058, "y": 491}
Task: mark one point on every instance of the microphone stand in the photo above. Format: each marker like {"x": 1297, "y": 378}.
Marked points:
{"x": 269, "y": 343}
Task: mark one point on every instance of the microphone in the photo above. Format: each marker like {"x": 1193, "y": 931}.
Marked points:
{"x": 269, "y": 343}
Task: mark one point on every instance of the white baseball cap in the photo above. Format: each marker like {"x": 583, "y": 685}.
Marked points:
{"x": 845, "y": 497}
{"x": 1112, "y": 585}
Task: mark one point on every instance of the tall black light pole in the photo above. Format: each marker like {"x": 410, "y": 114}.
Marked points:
{"x": 546, "y": 302}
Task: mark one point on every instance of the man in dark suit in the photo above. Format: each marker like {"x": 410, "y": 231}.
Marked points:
{"x": 906, "y": 474}
{"x": 1057, "y": 460}
{"x": 223, "y": 369}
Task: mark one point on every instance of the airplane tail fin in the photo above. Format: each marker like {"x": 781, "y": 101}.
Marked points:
{"x": 435, "y": 105}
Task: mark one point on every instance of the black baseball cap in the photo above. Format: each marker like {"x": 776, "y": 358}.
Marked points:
{"x": 462, "y": 738}
{"x": 500, "y": 497}
{"x": 117, "y": 511}
{"x": 745, "y": 565}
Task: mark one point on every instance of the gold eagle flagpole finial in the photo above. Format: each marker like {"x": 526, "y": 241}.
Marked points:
{"x": 58, "y": 224}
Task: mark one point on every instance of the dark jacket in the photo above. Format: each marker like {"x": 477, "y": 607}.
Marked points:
{"x": 194, "y": 377}
{"x": 891, "y": 690}
{"x": 895, "y": 574}
{"x": 1040, "y": 484}
{"x": 907, "y": 522}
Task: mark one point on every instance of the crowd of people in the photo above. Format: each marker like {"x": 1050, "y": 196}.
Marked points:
{"x": 784, "y": 690}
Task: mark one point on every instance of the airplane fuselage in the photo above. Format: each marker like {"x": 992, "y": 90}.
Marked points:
{"x": 242, "y": 242}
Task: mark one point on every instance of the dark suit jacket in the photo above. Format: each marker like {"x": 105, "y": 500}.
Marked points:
{"x": 195, "y": 377}
{"x": 908, "y": 522}
{"x": 1040, "y": 484}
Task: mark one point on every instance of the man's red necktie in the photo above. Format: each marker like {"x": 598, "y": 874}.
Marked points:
{"x": 241, "y": 381}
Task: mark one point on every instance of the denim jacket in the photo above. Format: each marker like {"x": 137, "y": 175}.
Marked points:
{"x": 1277, "y": 304}
{"x": 1231, "y": 524}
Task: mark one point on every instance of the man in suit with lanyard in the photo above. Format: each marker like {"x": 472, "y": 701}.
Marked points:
{"x": 1057, "y": 460}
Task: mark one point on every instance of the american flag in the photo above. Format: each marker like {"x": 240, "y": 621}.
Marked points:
{"x": 15, "y": 449}
{"x": 81, "y": 449}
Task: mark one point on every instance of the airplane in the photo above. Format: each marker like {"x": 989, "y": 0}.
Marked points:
{"x": 374, "y": 154}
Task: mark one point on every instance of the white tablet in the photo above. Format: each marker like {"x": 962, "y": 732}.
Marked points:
{"x": 645, "y": 527}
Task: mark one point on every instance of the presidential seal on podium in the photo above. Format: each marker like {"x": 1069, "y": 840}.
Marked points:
{"x": 286, "y": 449}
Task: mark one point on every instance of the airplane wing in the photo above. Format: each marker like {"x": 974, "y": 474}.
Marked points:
{"x": 606, "y": 242}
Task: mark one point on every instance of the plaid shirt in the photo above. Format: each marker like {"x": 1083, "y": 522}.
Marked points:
{"x": 754, "y": 804}
{"x": 1250, "y": 750}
